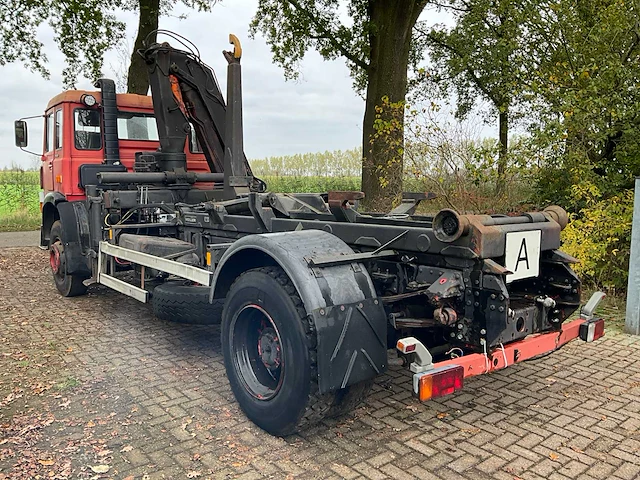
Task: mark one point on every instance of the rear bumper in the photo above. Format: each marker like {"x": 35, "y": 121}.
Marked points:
{"x": 432, "y": 380}
{"x": 515, "y": 352}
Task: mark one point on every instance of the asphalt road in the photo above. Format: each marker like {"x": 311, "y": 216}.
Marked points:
{"x": 20, "y": 239}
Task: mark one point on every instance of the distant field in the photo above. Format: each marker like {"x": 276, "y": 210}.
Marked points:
{"x": 19, "y": 205}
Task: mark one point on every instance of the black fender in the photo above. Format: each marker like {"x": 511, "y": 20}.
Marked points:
{"x": 49, "y": 215}
{"x": 75, "y": 237}
{"x": 349, "y": 320}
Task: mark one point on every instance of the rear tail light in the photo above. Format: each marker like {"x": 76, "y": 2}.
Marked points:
{"x": 438, "y": 382}
{"x": 592, "y": 330}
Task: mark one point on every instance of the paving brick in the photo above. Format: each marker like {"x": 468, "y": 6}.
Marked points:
{"x": 573, "y": 415}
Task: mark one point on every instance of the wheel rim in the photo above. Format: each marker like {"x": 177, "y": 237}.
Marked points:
{"x": 256, "y": 350}
{"x": 56, "y": 253}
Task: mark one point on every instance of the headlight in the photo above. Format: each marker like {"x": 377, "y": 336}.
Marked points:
{"x": 88, "y": 100}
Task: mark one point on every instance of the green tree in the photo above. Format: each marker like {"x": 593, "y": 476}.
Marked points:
{"x": 585, "y": 84}
{"x": 149, "y": 12}
{"x": 479, "y": 58}
{"x": 83, "y": 31}
{"x": 377, "y": 45}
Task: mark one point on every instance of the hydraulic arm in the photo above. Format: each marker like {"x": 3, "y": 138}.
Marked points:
{"x": 185, "y": 92}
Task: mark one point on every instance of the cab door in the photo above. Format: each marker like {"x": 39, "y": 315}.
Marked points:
{"x": 53, "y": 164}
{"x": 46, "y": 168}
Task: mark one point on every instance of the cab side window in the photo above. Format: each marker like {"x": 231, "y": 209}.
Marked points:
{"x": 58, "y": 129}
{"x": 48, "y": 139}
{"x": 87, "y": 132}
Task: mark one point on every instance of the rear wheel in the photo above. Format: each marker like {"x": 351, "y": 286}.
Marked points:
{"x": 69, "y": 285}
{"x": 269, "y": 349}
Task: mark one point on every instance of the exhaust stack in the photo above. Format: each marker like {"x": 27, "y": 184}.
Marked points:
{"x": 109, "y": 120}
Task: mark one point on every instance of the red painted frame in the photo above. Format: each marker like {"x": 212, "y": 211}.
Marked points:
{"x": 515, "y": 352}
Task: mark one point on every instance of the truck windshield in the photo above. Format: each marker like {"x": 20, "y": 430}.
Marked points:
{"x": 137, "y": 126}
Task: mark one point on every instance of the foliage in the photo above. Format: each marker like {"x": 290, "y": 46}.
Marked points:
{"x": 450, "y": 158}
{"x": 479, "y": 59}
{"x": 19, "y": 207}
{"x": 298, "y": 184}
{"x": 292, "y": 27}
{"x": 388, "y": 131}
{"x": 600, "y": 237}
{"x": 83, "y": 32}
{"x": 337, "y": 163}
{"x": 378, "y": 44}
{"x": 584, "y": 90}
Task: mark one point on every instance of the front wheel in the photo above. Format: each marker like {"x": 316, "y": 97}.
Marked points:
{"x": 269, "y": 352}
{"x": 69, "y": 285}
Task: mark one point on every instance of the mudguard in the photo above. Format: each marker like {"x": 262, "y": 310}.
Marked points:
{"x": 349, "y": 320}
{"x": 49, "y": 215}
{"x": 75, "y": 236}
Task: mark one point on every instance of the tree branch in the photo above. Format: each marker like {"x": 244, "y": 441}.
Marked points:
{"x": 324, "y": 33}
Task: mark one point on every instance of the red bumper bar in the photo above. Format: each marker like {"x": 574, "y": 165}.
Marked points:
{"x": 532, "y": 346}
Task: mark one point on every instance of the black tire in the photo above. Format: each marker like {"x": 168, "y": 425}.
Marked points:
{"x": 277, "y": 391}
{"x": 67, "y": 285}
{"x": 349, "y": 398}
{"x": 176, "y": 302}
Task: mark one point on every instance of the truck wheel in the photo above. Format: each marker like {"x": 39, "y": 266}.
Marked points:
{"x": 68, "y": 285}
{"x": 269, "y": 352}
{"x": 176, "y": 302}
{"x": 347, "y": 399}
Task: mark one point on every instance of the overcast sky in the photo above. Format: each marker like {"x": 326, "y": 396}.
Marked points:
{"x": 318, "y": 112}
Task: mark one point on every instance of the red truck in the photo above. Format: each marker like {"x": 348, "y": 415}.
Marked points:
{"x": 154, "y": 197}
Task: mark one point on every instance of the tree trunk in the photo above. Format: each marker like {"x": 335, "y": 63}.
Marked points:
{"x": 138, "y": 78}
{"x": 503, "y": 136}
{"x": 382, "y": 149}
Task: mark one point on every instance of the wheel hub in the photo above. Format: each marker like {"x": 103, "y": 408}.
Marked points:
{"x": 269, "y": 348}
{"x": 55, "y": 257}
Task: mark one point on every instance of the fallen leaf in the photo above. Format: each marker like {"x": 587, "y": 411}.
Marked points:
{"x": 554, "y": 456}
{"x": 90, "y": 423}
{"x": 130, "y": 477}
{"x": 100, "y": 468}
{"x": 442, "y": 415}
{"x": 126, "y": 448}
{"x": 47, "y": 463}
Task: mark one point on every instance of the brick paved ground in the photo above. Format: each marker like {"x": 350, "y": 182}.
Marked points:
{"x": 97, "y": 382}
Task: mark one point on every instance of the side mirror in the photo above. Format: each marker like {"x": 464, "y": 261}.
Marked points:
{"x": 20, "y": 127}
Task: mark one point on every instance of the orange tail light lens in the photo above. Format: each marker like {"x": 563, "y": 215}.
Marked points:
{"x": 439, "y": 382}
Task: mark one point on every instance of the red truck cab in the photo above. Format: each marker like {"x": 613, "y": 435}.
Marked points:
{"x": 74, "y": 136}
